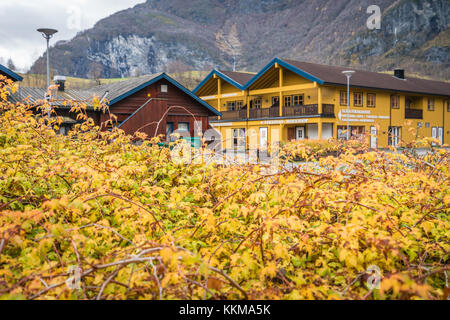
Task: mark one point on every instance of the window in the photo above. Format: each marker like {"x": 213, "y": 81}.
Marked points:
{"x": 394, "y": 137}
{"x": 294, "y": 100}
{"x": 164, "y": 88}
{"x": 395, "y": 101}
{"x": 63, "y": 130}
{"x": 430, "y": 104}
{"x": 343, "y": 99}
{"x": 355, "y": 131}
{"x": 239, "y": 138}
{"x": 183, "y": 126}
{"x": 275, "y": 101}
{"x": 256, "y": 103}
{"x": 358, "y": 99}
{"x": 287, "y": 101}
{"x": 371, "y": 100}
{"x": 231, "y": 106}
{"x": 234, "y": 105}
{"x": 298, "y": 100}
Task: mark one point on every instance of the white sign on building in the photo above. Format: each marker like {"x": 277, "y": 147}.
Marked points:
{"x": 353, "y": 115}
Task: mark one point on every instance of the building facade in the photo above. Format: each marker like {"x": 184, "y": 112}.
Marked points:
{"x": 292, "y": 100}
{"x": 152, "y": 104}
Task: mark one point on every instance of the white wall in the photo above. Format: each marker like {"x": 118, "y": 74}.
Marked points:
{"x": 312, "y": 131}
{"x": 327, "y": 131}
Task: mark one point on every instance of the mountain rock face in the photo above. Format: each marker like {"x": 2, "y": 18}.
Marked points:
{"x": 175, "y": 35}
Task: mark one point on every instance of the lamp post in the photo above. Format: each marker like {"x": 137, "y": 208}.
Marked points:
{"x": 348, "y": 74}
{"x": 47, "y": 34}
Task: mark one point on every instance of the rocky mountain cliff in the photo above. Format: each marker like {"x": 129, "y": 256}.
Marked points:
{"x": 175, "y": 35}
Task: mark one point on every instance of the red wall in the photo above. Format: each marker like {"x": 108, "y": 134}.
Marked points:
{"x": 174, "y": 106}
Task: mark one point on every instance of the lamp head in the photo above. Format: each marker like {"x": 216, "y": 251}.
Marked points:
{"x": 47, "y": 33}
{"x": 348, "y": 73}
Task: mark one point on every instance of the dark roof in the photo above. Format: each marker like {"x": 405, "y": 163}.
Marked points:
{"x": 324, "y": 74}
{"x": 240, "y": 77}
{"x": 9, "y": 73}
{"x": 237, "y": 79}
{"x": 116, "y": 92}
{"x": 367, "y": 79}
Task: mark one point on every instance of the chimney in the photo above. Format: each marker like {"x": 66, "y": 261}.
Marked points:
{"x": 60, "y": 81}
{"x": 399, "y": 73}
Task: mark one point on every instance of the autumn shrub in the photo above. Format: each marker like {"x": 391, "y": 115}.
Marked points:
{"x": 131, "y": 223}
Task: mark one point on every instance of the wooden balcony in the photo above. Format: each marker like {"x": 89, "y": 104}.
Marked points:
{"x": 234, "y": 114}
{"x": 274, "y": 112}
{"x": 271, "y": 112}
{"x": 309, "y": 110}
{"x": 413, "y": 114}
{"x": 328, "y": 110}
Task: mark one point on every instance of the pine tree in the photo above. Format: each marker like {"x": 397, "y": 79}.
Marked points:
{"x": 11, "y": 65}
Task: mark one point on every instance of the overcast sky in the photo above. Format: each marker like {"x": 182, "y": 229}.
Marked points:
{"x": 19, "y": 20}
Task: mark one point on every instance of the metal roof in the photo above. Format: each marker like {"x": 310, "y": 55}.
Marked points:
{"x": 117, "y": 91}
{"x": 35, "y": 95}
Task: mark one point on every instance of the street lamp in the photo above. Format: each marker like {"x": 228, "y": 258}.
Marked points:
{"x": 348, "y": 74}
{"x": 47, "y": 34}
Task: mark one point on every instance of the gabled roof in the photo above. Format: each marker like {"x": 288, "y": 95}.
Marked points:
{"x": 287, "y": 66}
{"x": 324, "y": 74}
{"x": 117, "y": 91}
{"x": 237, "y": 79}
{"x": 121, "y": 89}
{"x": 9, "y": 73}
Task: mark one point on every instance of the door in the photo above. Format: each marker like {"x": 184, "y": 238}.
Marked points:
{"x": 300, "y": 133}
{"x": 239, "y": 139}
{"x": 373, "y": 137}
{"x": 169, "y": 130}
{"x": 434, "y": 134}
{"x": 441, "y": 135}
{"x": 263, "y": 138}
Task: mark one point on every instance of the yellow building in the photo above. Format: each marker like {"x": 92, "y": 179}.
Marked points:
{"x": 385, "y": 108}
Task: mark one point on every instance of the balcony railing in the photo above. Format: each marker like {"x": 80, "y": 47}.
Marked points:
{"x": 274, "y": 112}
{"x": 271, "y": 112}
{"x": 328, "y": 110}
{"x": 413, "y": 114}
{"x": 234, "y": 114}
{"x": 309, "y": 110}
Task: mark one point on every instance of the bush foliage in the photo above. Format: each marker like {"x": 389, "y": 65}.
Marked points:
{"x": 140, "y": 226}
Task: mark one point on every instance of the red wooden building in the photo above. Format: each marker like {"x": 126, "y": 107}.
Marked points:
{"x": 154, "y": 104}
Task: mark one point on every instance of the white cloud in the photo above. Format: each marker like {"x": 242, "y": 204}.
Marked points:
{"x": 19, "y": 20}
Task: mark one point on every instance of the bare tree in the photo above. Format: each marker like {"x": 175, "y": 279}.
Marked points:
{"x": 95, "y": 70}
{"x": 230, "y": 44}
